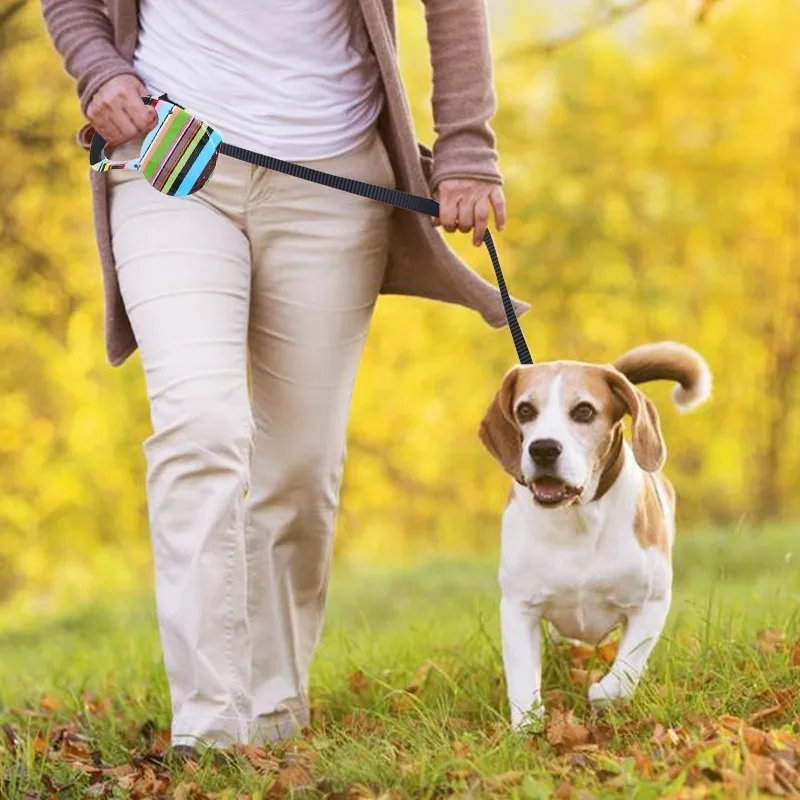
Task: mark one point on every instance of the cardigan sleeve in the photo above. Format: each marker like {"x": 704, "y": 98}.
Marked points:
{"x": 464, "y": 98}
{"x": 82, "y": 34}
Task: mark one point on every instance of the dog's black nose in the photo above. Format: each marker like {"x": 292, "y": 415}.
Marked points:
{"x": 544, "y": 452}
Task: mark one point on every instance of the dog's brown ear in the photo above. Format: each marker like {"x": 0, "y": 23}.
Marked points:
{"x": 498, "y": 431}
{"x": 649, "y": 447}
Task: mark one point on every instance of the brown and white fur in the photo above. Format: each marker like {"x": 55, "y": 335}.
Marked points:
{"x": 588, "y": 530}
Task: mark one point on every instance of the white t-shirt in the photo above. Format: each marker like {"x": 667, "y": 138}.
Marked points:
{"x": 294, "y": 79}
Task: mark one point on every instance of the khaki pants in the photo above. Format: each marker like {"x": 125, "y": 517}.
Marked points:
{"x": 243, "y": 478}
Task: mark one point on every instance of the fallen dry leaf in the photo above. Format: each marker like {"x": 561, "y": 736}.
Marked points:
{"x": 11, "y": 738}
{"x": 289, "y": 779}
{"x": 787, "y": 756}
{"x": 49, "y": 703}
{"x": 408, "y": 766}
{"x": 564, "y": 731}
{"x": 505, "y": 780}
{"x": 787, "y": 739}
{"x": 782, "y": 697}
{"x": 666, "y": 737}
{"x": 358, "y": 683}
{"x": 224, "y": 795}
{"x": 755, "y": 740}
{"x": 461, "y": 749}
{"x": 765, "y": 713}
{"x": 299, "y": 752}
{"x": 191, "y": 767}
{"x": 400, "y": 702}
{"x": 421, "y": 678}
{"x": 186, "y": 791}
{"x": 462, "y": 775}
{"x": 149, "y": 783}
{"x": 359, "y": 792}
{"x": 765, "y": 774}
{"x": 696, "y": 791}
{"x": 51, "y": 786}
{"x": 128, "y": 780}
{"x": 344, "y": 794}
{"x": 158, "y": 741}
{"x": 608, "y": 652}
{"x": 730, "y": 778}
{"x": 359, "y": 722}
{"x": 582, "y": 677}
{"x": 257, "y": 757}
{"x": 554, "y": 698}
{"x": 122, "y": 771}
{"x": 359, "y": 795}
{"x": 644, "y": 764}
{"x": 770, "y": 640}
{"x": 580, "y": 653}
{"x": 563, "y": 790}
{"x": 69, "y": 746}
{"x": 95, "y": 704}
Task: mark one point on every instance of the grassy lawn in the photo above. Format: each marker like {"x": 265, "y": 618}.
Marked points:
{"x": 409, "y": 698}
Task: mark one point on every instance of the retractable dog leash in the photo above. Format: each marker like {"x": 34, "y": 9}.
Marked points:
{"x": 178, "y": 157}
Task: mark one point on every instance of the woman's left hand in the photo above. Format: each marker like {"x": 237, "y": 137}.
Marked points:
{"x": 464, "y": 206}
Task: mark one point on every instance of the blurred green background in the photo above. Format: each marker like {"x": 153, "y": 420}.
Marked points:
{"x": 653, "y": 189}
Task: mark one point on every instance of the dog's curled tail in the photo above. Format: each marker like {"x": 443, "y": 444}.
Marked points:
{"x": 673, "y": 362}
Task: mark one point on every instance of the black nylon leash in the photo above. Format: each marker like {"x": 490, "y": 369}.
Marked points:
{"x": 392, "y": 197}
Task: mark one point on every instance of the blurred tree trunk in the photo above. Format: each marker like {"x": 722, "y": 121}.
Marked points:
{"x": 785, "y": 362}
{"x": 781, "y": 397}
{"x": 784, "y": 336}
{"x": 9, "y": 11}
{"x": 9, "y": 580}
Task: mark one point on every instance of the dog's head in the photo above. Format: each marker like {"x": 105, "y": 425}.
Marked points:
{"x": 556, "y": 426}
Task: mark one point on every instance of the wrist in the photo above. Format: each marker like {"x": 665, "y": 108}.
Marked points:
{"x": 100, "y": 77}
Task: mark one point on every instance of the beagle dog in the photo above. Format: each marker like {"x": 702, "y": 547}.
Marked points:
{"x": 588, "y": 529}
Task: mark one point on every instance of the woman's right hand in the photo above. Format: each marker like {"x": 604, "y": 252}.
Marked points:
{"x": 117, "y": 112}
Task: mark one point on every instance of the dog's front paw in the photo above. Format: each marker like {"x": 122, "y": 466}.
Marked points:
{"x": 611, "y": 689}
{"x": 531, "y": 720}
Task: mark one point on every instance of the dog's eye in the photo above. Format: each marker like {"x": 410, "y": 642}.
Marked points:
{"x": 525, "y": 412}
{"x": 583, "y": 412}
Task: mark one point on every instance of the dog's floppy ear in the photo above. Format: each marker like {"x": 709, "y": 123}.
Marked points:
{"x": 498, "y": 431}
{"x": 649, "y": 447}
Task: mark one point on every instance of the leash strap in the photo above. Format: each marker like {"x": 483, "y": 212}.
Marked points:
{"x": 392, "y": 197}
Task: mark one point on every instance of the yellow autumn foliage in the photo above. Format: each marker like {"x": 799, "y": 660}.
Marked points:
{"x": 653, "y": 188}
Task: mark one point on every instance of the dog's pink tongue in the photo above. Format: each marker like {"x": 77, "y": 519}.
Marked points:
{"x": 548, "y": 487}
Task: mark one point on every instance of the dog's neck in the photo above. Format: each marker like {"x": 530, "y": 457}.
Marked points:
{"x": 613, "y": 461}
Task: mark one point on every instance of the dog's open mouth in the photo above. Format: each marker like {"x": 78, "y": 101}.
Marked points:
{"x": 551, "y": 491}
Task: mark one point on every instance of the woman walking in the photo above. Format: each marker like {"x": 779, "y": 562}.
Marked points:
{"x": 250, "y": 301}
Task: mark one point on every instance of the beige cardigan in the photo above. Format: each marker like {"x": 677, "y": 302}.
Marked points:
{"x": 97, "y": 38}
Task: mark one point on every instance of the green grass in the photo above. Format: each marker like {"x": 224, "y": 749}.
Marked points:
{"x": 450, "y": 736}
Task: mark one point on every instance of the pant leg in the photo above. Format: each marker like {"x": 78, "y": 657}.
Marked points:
{"x": 318, "y": 258}
{"x": 184, "y": 271}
